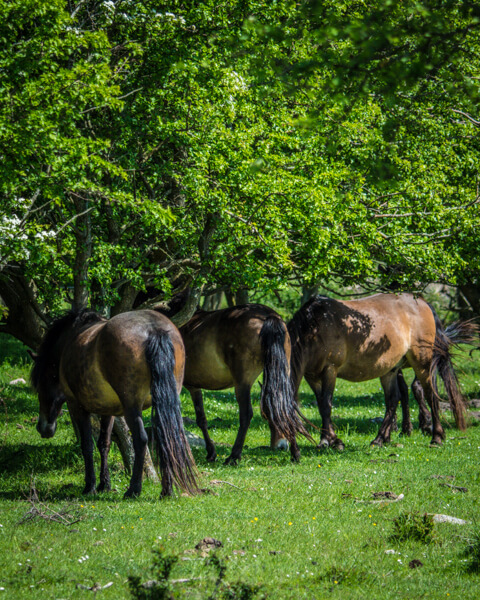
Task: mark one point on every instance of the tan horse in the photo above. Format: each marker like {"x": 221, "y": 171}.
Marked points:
{"x": 230, "y": 348}
{"x": 117, "y": 367}
{"x": 372, "y": 337}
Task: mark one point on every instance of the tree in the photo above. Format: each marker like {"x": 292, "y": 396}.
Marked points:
{"x": 242, "y": 146}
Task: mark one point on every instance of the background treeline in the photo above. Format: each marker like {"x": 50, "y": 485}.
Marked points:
{"x": 233, "y": 146}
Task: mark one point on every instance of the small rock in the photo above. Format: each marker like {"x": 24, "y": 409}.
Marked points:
{"x": 194, "y": 440}
{"x": 448, "y": 519}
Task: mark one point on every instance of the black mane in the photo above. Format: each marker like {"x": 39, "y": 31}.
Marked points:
{"x": 74, "y": 319}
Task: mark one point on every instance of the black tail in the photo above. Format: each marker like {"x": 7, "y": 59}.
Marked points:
{"x": 277, "y": 399}
{"x": 176, "y": 460}
{"x": 454, "y": 334}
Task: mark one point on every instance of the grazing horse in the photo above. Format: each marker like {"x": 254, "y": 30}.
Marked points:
{"x": 372, "y": 337}
{"x": 456, "y": 333}
{"x": 117, "y": 367}
{"x": 230, "y": 348}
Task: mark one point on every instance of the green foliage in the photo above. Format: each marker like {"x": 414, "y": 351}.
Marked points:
{"x": 160, "y": 588}
{"x": 163, "y": 562}
{"x": 414, "y": 526}
{"x": 241, "y": 145}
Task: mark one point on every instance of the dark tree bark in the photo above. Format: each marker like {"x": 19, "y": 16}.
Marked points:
{"x": 25, "y": 319}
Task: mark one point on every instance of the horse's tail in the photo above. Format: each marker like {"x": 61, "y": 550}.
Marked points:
{"x": 277, "y": 402}
{"x": 454, "y": 334}
{"x": 176, "y": 461}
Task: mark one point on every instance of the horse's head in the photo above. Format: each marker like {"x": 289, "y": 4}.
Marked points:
{"x": 51, "y": 399}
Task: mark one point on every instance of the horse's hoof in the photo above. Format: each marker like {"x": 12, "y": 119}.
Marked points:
{"x": 436, "y": 443}
{"x": 231, "y": 460}
{"x": 131, "y": 494}
{"x": 323, "y": 444}
{"x": 282, "y": 444}
{"x": 89, "y": 491}
{"x": 339, "y": 445}
{"x": 212, "y": 458}
{"x": 376, "y": 444}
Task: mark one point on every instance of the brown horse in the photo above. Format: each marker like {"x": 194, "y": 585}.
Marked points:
{"x": 363, "y": 339}
{"x": 230, "y": 348}
{"x": 456, "y": 333}
{"x": 117, "y": 367}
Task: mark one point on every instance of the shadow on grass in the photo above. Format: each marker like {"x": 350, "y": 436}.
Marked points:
{"x": 33, "y": 458}
{"x": 13, "y": 350}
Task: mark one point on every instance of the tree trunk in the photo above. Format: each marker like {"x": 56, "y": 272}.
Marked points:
{"x": 469, "y": 300}
{"x": 121, "y": 436}
{"x": 241, "y": 297}
{"x": 83, "y": 252}
{"x": 25, "y": 320}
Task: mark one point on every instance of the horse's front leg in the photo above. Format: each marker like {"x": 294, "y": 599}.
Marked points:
{"x": 201, "y": 420}
{"x": 84, "y": 426}
{"x": 392, "y": 396}
{"x": 103, "y": 444}
{"x": 134, "y": 420}
{"x": 242, "y": 393}
{"x": 323, "y": 391}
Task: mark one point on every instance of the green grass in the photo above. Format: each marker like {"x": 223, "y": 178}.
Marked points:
{"x": 300, "y": 531}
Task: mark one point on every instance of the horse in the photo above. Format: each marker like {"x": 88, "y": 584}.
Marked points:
{"x": 120, "y": 366}
{"x": 372, "y": 337}
{"x": 456, "y": 333}
{"x": 230, "y": 348}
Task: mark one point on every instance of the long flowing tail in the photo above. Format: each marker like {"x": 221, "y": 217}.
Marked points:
{"x": 176, "y": 461}
{"x": 277, "y": 399}
{"x": 457, "y": 333}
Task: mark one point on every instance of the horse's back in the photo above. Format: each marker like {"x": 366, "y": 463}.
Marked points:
{"x": 110, "y": 364}
{"x": 365, "y": 338}
{"x": 223, "y": 346}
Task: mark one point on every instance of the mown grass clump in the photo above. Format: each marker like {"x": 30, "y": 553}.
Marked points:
{"x": 414, "y": 526}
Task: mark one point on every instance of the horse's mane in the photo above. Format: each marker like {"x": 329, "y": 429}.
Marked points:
{"x": 74, "y": 319}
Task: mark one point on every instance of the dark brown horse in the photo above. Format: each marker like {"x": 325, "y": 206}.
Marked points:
{"x": 117, "y": 367}
{"x": 363, "y": 339}
{"x": 230, "y": 348}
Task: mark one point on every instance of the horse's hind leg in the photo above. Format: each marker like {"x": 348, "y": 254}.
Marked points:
{"x": 103, "y": 444}
{"x": 323, "y": 391}
{"x": 407, "y": 426}
{"x": 422, "y": 374}
{"x": 134, "y": 420}
{"x": 392, "y": 396}
{"x": 242, "y": 392}
{"x": 202, "y": 422}
{"x": 424, "y": 416}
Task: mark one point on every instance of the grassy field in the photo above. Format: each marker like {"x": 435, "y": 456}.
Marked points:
{"x": 312, "y": 530}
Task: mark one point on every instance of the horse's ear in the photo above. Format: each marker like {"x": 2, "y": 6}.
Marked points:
{"x": 33, "y": 354}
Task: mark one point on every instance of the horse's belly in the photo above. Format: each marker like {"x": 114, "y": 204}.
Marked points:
{"x": 208, "y": 373}
{"x": 362, "y": 371}
{"x": 98, "y": 397}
